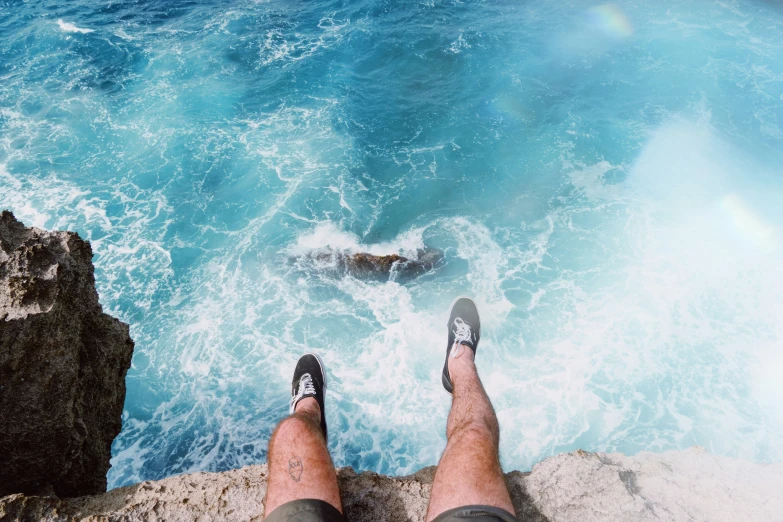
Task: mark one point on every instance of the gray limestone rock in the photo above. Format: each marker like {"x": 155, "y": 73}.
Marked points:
{"x": 679, "y": 486}
{"x": 62, "y": 365}
{"x": 690, "y": 485}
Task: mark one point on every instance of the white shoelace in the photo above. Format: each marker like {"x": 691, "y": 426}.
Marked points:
{"x": 306, "y": 387}
{"x": 462, "y": 332}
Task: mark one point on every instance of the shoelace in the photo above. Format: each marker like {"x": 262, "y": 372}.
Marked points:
{"x": 462, "y": 333}
{"x": 306, "y": 387}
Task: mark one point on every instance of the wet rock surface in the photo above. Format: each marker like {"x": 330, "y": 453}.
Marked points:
{"x": 689, "y": 485}
{"x": 366, "y": 266}
{"x": 62, "y": 365}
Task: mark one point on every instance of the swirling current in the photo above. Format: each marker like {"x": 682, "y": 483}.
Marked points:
{"x": 604, "y": 179}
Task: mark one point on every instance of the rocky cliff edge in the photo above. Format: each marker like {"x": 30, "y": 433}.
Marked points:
{"x": 690, "y": 485}
{"x": 62, "y": 365}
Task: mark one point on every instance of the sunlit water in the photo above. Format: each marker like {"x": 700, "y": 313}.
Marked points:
{"x": 604, "y": 179}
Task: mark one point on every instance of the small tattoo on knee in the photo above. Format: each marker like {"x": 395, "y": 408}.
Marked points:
{"x": 295, "y": 468}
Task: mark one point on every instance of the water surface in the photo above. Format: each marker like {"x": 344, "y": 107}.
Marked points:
{"x": 605, "y": 180}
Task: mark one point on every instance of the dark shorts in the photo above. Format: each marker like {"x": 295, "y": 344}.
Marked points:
{"x": 307, "y": 510}
{"x": 319, "y": 511}
{"x": 475, "y": 514}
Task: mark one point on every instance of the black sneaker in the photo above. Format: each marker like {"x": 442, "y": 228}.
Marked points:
{"x": 309, "y": 381}
{"x": 464, "y": 328}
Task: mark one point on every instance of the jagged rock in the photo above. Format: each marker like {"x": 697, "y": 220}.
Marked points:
{"x": 363, "y": 265}
{"x": 689, "y": 485}
{"x": 62, "y": 365}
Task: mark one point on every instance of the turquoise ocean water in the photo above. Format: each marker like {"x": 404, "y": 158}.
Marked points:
{"x": 605, "y": 179}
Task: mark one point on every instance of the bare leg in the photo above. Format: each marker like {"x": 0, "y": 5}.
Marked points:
{"x": 299, "y": 463}
{"x": 469, "y": 471}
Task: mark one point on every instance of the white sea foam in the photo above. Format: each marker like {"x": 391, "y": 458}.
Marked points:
{"x": 459, "y": 44}
{"x": 128, "y": 263}
{"x": 487, "y": 262}
{"x": 285, "y": 49}
{"x": 327, "y": 235}
{"x": 37, "y": 202}
{"x": 68, "y": 27}
{"x": 121, "y": 33}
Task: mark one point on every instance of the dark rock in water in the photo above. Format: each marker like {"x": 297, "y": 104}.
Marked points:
{"x": 62, "y": 365}
{"x": 368, "y": 266}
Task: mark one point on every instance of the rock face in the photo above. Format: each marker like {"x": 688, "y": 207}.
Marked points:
{"x": 369, "y": 266}
{"x": 62, "y": 365}
{"x": 689, "y": 485}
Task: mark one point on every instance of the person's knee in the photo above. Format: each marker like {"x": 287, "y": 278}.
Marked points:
{"x": 292, "y": 428}
{"x": 477, "y": 434}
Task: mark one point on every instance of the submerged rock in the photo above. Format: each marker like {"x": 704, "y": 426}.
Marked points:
{"x": 677, "y": 486}
{"x": 363, "y": 265}
{"x": 62, "y": 365}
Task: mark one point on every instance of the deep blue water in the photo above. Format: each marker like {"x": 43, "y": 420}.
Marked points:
{"x": 605, "y": 180}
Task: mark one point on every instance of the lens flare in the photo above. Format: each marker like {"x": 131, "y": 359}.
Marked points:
{"x": 610, "y": 20}
{"x": 748, "y": 224}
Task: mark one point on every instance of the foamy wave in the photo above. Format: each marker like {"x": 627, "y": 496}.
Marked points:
{"x": 38, "y": 202}
{"x": 280, "y": 47}
{"x": 327, "y": 235}
{"x": 128, "y": 264}
{"x": 459, "y": 45}
{"x": 68, "y": 27}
